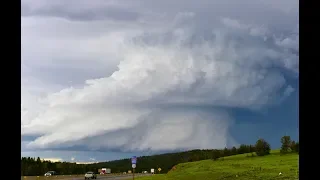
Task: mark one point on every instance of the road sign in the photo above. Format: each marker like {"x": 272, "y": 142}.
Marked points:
{"x": 134, "y": 160}
{"x": 159, "y": 169}
{"x": 134, "y": 166}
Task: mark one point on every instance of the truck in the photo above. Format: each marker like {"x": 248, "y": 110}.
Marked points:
{"x": 105, "y": 171}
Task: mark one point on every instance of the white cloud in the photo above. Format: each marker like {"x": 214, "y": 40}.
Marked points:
{"x": 53, "y": 159}
{"x": 85, "y": 162}
{"x": 148, "y": 83}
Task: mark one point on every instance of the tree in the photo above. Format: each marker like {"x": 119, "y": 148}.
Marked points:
{"x": 234, "y": 150}
{"x": 215, "y": 154}
{"x": 244, "y": 149}
{"x": 252, "y": 148}
{"x": 226, "y": 152}
{"x": 262, "y": 147}
{"x": 286, "y": 143}
{"x": 295, "y": 146}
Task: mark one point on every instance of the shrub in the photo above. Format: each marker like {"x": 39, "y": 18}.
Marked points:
{"x": 262, "y": 147}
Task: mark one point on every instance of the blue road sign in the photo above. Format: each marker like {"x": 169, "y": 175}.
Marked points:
{"x": 134, "y": 160}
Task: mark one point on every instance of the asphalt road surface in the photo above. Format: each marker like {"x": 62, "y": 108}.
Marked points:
{"x": 115, "y": 177}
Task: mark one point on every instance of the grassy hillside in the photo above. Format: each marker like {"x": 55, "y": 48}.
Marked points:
{"x": 244, "y": 167}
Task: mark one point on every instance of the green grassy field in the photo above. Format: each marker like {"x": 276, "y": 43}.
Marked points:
{"x": 239, "y": 167}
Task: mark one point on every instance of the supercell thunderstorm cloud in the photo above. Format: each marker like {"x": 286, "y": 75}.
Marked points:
{"x": 136, "y": 75}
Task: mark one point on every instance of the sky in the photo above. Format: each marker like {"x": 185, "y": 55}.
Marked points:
{"x": 105, "y": 79}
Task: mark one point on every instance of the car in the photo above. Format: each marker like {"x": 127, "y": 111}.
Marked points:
{"x": 90, "y": 175}
{"x": 50, "y": 173}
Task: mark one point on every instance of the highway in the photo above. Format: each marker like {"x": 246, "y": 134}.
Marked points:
{"x": 78, "y": 177}
{"x": 115, "y": 177}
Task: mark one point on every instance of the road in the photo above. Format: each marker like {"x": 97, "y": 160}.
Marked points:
{"x": 115, "y": 177}
{"x": 81, "y": 177}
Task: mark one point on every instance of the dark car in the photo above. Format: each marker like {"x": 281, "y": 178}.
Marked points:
{"x": 90, "y": 175}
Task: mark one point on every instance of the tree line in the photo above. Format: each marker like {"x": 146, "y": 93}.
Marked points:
{"x": 35, "y": 166}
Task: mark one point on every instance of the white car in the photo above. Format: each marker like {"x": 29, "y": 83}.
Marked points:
{"x": 50, "y": 173}
{"x": 90, "y": 175}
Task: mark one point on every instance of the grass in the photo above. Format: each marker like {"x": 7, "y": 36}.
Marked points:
{"x": 242, "y": 167}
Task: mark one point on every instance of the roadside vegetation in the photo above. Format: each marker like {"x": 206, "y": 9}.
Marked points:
{"x": 247, "y": 166}
{"x": 262, "y": 164}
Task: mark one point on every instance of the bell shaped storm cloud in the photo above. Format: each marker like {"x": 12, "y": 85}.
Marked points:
{"x": 135, "y": 76}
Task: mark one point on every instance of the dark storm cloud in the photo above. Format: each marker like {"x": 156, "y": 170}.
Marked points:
{"x": 96, "y": 14}
{"x": 202, "y": 55}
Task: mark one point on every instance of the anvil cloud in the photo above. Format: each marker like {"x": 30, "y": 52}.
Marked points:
{"x": 142, "y": 75}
